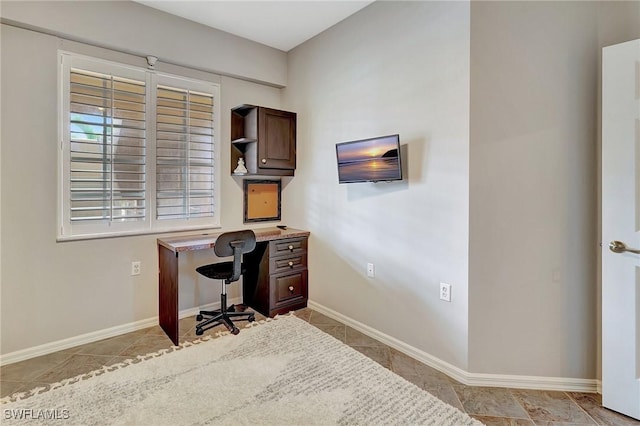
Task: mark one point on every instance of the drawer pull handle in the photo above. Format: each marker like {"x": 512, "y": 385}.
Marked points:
{"x": 291, "y": 288}
{"x": 264, "y": 161}
{"x": 290, "y": 247}
{"x": 290, "y": 264}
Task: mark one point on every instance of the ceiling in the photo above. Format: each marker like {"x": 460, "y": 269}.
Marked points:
{"x": 279, "y": 24}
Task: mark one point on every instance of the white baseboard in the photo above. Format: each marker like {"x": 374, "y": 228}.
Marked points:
{"x": 465, "y": 377}
{"x": 94, "y": 336}
{"x": 472, "y": 379}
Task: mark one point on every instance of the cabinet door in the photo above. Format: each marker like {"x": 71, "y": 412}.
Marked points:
{"x": 277, "y": 139}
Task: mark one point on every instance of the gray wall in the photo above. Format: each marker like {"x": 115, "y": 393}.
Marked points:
{"x": 140, "y": 30}
{"x": 528, "y": 304}
{"x": 53, "y": 291}
{"x": 533, "y": 205}
{"x": 534, "y": 183}
{"x": 394, "y": 67}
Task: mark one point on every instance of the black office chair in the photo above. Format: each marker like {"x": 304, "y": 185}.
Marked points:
{"x": 228, "y": 244}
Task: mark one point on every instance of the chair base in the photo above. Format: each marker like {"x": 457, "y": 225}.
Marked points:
{"x": 223, "y": 316}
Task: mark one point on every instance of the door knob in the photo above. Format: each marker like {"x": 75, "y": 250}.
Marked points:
{"x": 620, "y": 247}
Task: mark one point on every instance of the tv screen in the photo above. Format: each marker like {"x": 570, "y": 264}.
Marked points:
{"x": 369, "y": 160}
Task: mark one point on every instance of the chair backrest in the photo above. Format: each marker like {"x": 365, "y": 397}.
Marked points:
{"x": 243, "y": 240}
{"x": 235, "y": 244}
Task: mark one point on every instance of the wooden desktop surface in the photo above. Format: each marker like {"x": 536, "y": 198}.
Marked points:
{"x": 207, "y": 240}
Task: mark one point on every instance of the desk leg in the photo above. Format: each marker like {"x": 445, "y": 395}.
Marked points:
{"x": 168, "y": 292}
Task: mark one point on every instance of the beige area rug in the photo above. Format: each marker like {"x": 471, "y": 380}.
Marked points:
{"x": 276, "y": 372}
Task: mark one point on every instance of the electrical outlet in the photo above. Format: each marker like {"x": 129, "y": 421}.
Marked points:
{"x": 135, "y": 268}
{"x": 371, "y": 270}
{"x": 445, "y": 292}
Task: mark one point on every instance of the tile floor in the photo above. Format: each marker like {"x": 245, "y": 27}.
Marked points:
{"x": 492, "y": 406}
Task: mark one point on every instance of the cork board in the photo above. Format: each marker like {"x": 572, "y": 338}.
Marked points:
{"x": 261, "y": 200}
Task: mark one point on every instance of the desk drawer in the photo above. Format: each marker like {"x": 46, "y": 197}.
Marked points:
{"x": 287, "y": 263}
{"x": 289, "y": 246}
{"x": 288, "y": 289}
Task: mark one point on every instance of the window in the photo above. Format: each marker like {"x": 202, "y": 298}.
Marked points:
{"x": 107, "y": 147}
{"x": 184, "y": 153}
{"x": 138, "y": 151}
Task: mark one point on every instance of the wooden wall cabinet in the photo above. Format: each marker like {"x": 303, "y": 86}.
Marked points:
{"x": 276, "y": 283}
{"x": 265, "y": 138}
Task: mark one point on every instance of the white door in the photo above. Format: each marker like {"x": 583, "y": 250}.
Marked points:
{"x": 621, "y": 228}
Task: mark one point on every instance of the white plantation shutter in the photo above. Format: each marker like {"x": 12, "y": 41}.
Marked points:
{"x": 138, "y": 151}
{"x": 107, "y": 147}
{"x": 184, "y": 153}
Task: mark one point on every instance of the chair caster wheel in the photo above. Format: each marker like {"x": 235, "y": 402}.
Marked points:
{"x": 199, "y": 331}
{"x": 251, "y": 318}
{"x": 235, "y": 330}
{"x": 199, "y": 317}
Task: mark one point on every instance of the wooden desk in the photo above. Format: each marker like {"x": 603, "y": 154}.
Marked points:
{"x": 275, "y": 280}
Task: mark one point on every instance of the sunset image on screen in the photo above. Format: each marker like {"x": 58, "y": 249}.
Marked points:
{"x": 369, "y": 160}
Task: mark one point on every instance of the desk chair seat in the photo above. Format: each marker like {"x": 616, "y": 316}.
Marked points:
{"x": 228, "y": 244}
{"x": 218, "y": 271}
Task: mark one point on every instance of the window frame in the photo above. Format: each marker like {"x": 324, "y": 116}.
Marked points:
{"x": 80, "y": 230}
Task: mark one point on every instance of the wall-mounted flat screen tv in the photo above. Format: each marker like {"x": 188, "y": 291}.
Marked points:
{"x": 369, "y": 160}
